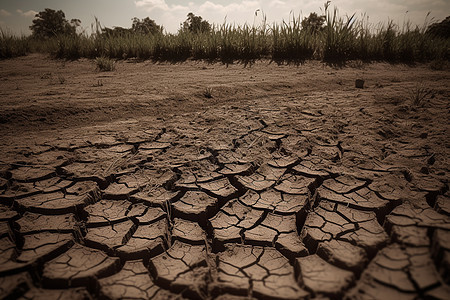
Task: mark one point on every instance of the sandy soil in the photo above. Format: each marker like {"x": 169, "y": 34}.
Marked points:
{"x": 206, "y": 180}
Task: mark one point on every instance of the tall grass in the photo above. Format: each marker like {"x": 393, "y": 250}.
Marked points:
{"x": 12, "y": 46}
{"x": 291, "y": 42}
{"x": 341, "y": 39}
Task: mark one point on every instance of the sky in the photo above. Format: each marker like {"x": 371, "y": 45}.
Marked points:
{"x": 16, "y": 15}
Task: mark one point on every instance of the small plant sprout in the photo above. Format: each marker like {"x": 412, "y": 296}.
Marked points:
{"x": 208, "y": 92}
{"x": 61, "y": 79}
{"x": 99, "y": 83}
{"x": 419, "y": 94}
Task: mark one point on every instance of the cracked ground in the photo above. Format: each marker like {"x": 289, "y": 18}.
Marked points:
{"x": 293, "y": 187}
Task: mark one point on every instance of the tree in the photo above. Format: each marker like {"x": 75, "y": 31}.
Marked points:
{"x": 314, "y": 22}
{"x": 441, "y": 29}
{"x": 196, "y": 24}
{"x": 116, "y": 31}
{"x": 145, "y": 26}
{"x": 50, "y": 23}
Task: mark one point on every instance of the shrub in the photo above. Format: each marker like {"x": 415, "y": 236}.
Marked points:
{"x": 105, "y": 64}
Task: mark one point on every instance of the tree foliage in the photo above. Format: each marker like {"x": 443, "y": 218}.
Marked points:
{"x": 196, "y": 24}
{"x": 116, "y": 31}
{"x": 313, "y": 22}
{"x": 441, "y": 29}
{"x": 145, "y": 26}
{"x": 50, "y": 23}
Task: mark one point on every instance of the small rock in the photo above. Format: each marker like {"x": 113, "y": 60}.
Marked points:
{"x": 359, "y": 83}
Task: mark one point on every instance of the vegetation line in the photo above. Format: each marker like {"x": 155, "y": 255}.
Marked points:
{"x": 328, "y": 37}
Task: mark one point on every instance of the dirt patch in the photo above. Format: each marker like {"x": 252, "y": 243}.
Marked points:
{"x": 206, "y": 180}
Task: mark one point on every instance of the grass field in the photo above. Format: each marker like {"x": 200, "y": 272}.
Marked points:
{"x": 340, "y": 40}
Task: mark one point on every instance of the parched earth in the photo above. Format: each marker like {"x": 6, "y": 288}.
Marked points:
{"x": 289, "y": 183}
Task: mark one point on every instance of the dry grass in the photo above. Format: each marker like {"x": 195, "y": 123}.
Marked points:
{"x": 208, "y": 92}
{"x": 105, "y": 64}
{"x": 419, "y": 95}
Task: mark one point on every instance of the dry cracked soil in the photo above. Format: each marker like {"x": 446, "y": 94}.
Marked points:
{"x": 206, "y": 181}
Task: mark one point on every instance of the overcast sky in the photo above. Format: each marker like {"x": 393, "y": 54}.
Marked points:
{"x": 16, "y": 15}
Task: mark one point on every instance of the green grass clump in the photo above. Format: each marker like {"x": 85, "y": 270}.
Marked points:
{"x": 339, "y": 40}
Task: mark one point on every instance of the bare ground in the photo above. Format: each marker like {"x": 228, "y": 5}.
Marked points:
{"x": 201, "y": 180}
